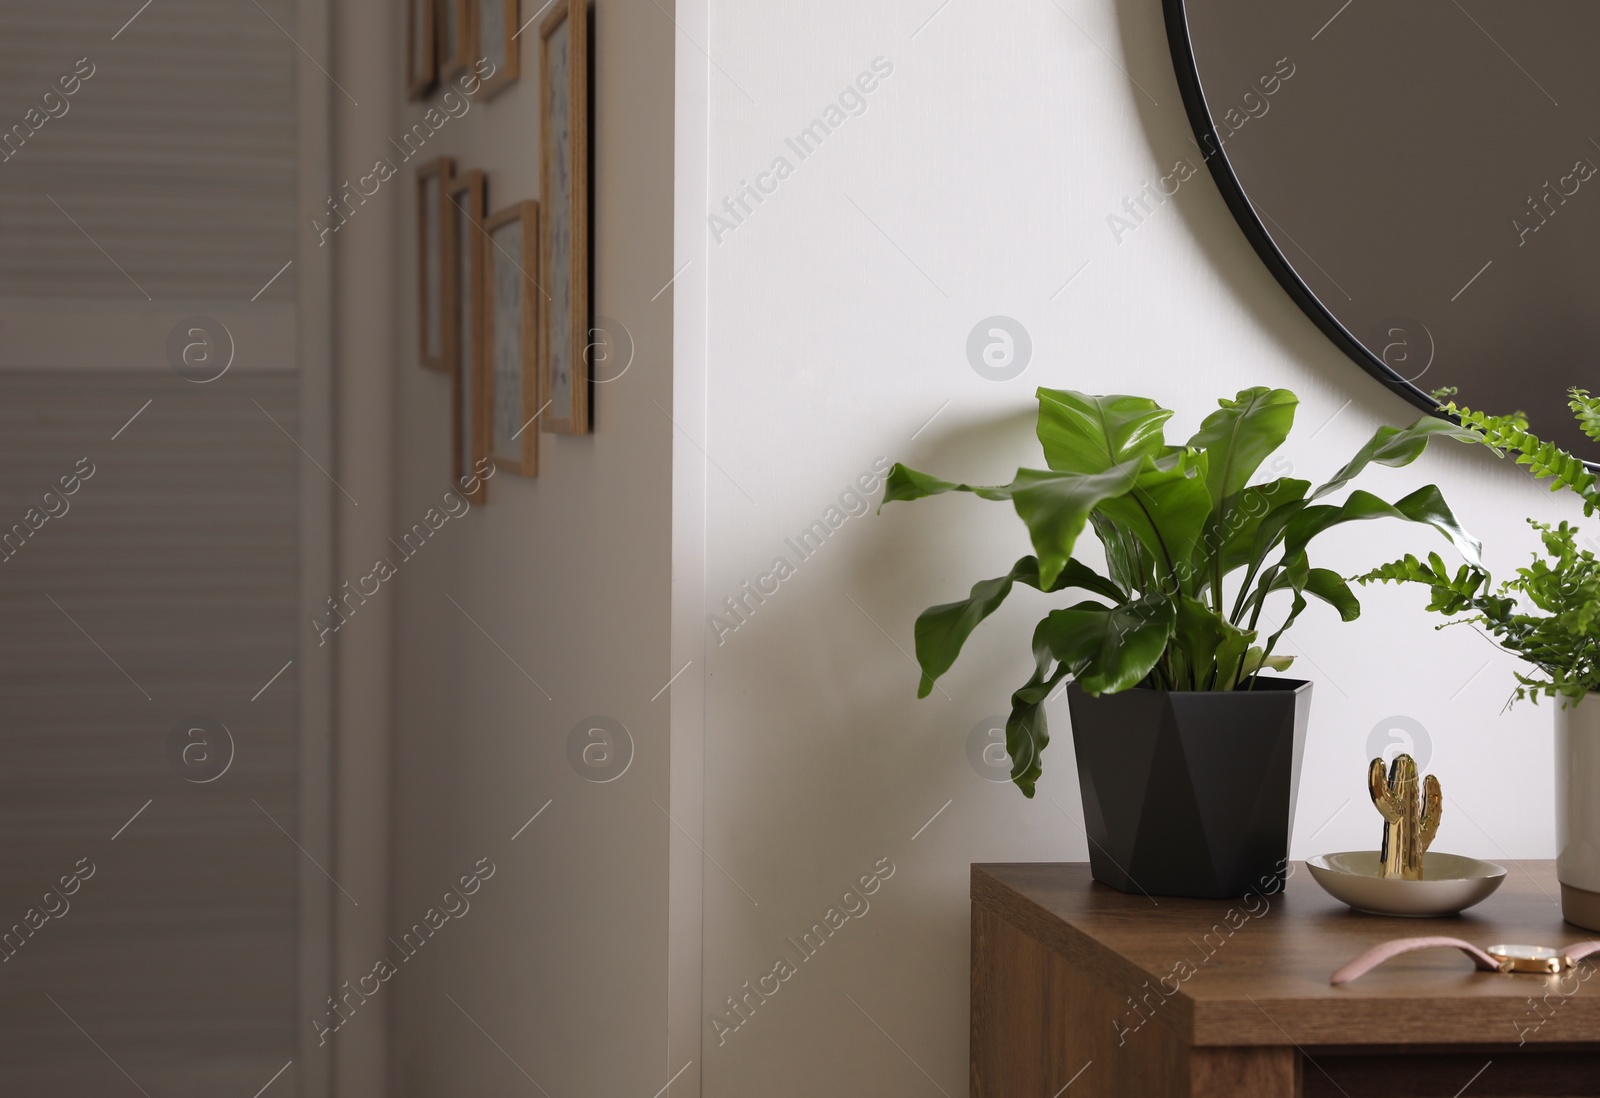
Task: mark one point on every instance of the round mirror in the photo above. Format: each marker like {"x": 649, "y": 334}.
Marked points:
{"x": 1423, "y": 178}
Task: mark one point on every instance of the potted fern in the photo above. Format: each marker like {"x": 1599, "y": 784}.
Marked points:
{"x": 1188, "y": 753}
{"x": 1549, "y": 615}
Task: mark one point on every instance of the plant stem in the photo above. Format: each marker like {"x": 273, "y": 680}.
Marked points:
{"x": 1177, "y": 586}
{"x": 1266, "y": 584}
{"x": 1244, "y": 589}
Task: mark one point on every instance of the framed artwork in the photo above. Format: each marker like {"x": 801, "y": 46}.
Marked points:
{"x": 457, "y": 35}
{"x": 564, "y": 209}
{"x": 510, "y": 338}
{"x": 432, "y": 273}
{"x": 464, "y": 308}
{"x": 422, "y": 69}
{"x": 497, "y": 30}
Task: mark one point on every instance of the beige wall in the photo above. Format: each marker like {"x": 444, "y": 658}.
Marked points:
{"x": 543, "y": 606}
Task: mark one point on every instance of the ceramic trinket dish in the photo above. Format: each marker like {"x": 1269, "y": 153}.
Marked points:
{"x": 1405, "y": 878}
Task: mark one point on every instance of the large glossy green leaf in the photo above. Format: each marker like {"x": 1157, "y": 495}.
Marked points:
{"x": 1027, "y": 732}
{"x": 1075, "y": 575}
{"x": 1331, "y": 588}
{"x": 1248, "y": 509}
{"x": 1256, "y": 659}
{"x": 1239, "y": 436}
{"x": 905, "y": 483}
{"x": 1167, "y": 511}
{"x": 1232, "y": 654}
{"x": 1426, "y": 505}
{"x": 1126, "y": 561}
{"x": 1236, "y": 439}
{"x": 1113, "y": 649}
{"x": 1391, "y": 446}
{"x": 1055, "y": 506}
{"x": 942, "y": 630}
{"x": 1396, "y": 447}
{"x": 1082, "y": 640}
{"x": 1082, "y": 433}
{"x": 1272, "y": 527}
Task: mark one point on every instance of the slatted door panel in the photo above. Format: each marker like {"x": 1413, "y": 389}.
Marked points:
{"x": 161, "y": 593}
{"x": 169, "y": 173}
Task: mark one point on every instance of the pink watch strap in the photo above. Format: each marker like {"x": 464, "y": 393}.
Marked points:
{"x": 1581, "y": 950}
{"x": 1378, "y": 954}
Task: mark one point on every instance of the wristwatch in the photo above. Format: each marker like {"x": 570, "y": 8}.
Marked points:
{"x": 1543, "y": 960}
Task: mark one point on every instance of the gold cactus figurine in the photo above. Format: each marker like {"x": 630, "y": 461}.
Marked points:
{"x": 1411, "y": 815}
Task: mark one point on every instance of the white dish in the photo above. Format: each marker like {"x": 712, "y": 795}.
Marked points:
{"x": 1450, "y": 883}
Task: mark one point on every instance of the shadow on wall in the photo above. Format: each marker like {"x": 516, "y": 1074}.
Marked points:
{"x": 809, "y": 825}
{"x": 865, "y": 585}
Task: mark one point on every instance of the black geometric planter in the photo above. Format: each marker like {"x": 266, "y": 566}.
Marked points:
{"x": 1190, "y": 793}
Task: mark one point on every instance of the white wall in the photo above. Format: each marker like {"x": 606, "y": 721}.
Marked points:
{"x": 562, "y": 959}
{"x": 978, "y": 181}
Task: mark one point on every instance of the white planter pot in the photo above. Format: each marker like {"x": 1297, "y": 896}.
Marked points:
{"x": 1578, "y": 811}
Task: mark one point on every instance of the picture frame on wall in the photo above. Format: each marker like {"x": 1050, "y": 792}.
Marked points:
{"x": 465, "y": 206}
{"x": 457, "y": 36}
{"x": 433, "y": 273}
{"x": 511, "y": 327}
{"x": 422, "y": 68}
{"x": 564, "y": 238}
{"x": 498, "y": 24}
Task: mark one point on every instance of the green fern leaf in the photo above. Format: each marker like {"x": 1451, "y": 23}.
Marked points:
{"x": 1587, "y": 409}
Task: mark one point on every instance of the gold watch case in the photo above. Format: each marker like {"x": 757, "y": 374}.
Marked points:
{"x": 1526, "y": 958}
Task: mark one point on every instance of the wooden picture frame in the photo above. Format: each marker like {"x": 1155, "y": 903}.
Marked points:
{"x": 465, "y": 196}
{"x": 564, "y": 231}
{"x": 458, "y": 36}
{"x": 422, "y": 61}
{"x": 432, "y": 273}
{"x": 495, "y": 29}
{"x": 510, "y": 338}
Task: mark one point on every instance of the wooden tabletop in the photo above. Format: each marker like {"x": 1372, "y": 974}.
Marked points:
{"x": 1255, "y": 971}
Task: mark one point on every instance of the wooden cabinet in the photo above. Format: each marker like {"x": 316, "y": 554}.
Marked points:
{"x": 1080, "y": 991}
